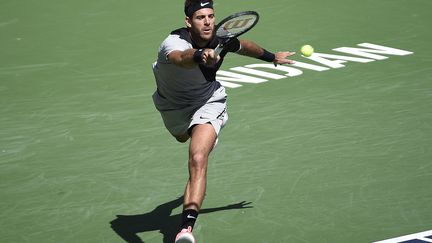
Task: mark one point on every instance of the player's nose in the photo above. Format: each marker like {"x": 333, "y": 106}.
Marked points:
{"x": 207, "y": 21}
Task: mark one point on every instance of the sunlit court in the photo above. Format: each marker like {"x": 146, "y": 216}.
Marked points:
{"x": 335, "y": 148}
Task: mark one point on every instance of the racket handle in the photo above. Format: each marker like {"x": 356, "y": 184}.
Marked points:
{"x": 218, "y": 49}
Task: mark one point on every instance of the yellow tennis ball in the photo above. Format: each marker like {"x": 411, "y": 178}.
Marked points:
{"x": 307, "y": 50}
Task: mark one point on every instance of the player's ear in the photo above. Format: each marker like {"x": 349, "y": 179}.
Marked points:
{"x": 188, "y": 22}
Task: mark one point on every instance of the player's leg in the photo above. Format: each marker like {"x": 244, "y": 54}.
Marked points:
{"x": 206, "y": 124}
{"x": 204, "y": 128}
{"x": 202, "y": 141}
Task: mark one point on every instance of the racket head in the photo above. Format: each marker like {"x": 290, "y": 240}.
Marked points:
{"x": 236, "y": 24}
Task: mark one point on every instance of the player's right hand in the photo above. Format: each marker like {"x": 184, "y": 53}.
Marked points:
{"x": 210, "y": 57}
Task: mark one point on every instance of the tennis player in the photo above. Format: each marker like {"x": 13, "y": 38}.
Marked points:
{"x": 193, "y": 105}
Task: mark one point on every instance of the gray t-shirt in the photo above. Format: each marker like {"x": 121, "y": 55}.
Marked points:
{"x": 179, "y": 87}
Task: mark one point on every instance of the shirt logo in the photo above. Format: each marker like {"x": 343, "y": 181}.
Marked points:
{"x": 204, "y": 4}
{"x": 190, "y": 216}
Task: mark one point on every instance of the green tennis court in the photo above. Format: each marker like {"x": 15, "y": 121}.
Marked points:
{"x": 338, "y": 155}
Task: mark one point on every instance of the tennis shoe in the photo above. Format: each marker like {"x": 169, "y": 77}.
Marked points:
{"x": 185, "y": 236}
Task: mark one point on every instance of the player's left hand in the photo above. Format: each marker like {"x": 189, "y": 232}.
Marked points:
{"x": 281, "y": 58}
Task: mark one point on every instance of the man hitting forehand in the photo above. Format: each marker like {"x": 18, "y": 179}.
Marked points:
{"x": 193, "y": 105}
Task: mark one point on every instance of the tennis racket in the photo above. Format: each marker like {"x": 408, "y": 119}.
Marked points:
{"x": 234, "y": 26}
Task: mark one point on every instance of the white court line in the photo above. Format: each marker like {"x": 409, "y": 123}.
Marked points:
{"x": 419, "y": 236}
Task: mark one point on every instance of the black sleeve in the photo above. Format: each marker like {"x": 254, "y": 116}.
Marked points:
{"x": 233, "y": 45}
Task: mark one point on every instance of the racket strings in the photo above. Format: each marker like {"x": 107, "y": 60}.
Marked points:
{"x": 236, "y": 26}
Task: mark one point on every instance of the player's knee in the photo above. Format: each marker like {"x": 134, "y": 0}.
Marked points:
{"x": 198, "y": 161}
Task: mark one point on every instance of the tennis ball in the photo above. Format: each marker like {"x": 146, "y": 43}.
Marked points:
{"x": 307, "y": 50}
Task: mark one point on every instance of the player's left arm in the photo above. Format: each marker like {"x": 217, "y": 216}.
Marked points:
{"x": 251, "y": 49}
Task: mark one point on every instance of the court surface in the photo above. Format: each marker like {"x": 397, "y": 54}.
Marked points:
{"x": 336, "y": 156}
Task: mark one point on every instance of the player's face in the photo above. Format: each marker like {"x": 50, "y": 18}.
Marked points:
{"x": 202, "y": 24}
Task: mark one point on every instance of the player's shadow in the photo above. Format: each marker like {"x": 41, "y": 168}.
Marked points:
{"x": 128, "y": 226}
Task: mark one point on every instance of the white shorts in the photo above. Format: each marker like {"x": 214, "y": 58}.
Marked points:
{"x": 214, "y": 111}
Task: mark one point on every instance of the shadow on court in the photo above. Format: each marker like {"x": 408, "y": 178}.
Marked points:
{"x": 127, "y": 226}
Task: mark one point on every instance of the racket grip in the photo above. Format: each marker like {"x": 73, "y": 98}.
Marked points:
{"x": 218, "y": 49}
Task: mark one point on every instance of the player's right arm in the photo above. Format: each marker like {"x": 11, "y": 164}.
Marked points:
{"x": 191, "y": 57}
{"x": 183, "y": 58}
